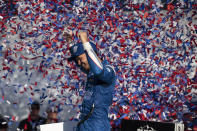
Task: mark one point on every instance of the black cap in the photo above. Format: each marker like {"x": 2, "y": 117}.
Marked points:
{"x": 35, "y": 104}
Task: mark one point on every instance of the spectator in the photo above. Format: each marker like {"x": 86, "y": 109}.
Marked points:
{"x": 3, "y": 124}
{"x": 33, "y": 120}
{"x": 187, "y": 118}
{"x": 52, "y": 113}
{"x": 194, "y": 124}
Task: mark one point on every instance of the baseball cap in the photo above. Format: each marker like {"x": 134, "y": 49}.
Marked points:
{"x": 77, "y": 50}
{"x": 35, "y": 105}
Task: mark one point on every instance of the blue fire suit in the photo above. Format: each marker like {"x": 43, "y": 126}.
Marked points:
{"x": 98, "y": 92}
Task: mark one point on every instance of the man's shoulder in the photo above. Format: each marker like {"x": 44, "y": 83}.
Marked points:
{"x": 24, "y": 121}
{"x": 108, "y": 65}
{"x": 42, "y": 120}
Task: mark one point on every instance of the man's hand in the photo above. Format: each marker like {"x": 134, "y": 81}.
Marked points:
{"x": 68, "y": 35}
{"x": 83, "y": 36}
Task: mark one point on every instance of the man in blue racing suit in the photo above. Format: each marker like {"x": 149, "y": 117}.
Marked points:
{"x": 99, "y": 88}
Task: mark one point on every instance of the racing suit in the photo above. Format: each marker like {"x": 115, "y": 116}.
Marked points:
{"x": 98, "y": 93}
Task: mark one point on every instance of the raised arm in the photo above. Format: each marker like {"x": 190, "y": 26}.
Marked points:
{"x": 103, "y": 72}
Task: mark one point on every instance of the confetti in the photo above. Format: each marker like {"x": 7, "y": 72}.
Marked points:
{"x": 152, "y": 48}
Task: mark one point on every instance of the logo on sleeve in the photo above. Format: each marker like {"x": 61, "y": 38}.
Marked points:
{"x": 108, "y": 69}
